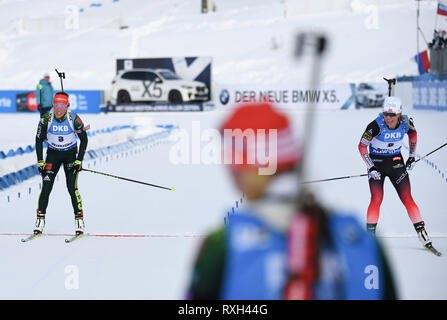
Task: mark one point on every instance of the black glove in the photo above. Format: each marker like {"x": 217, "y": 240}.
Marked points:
{"x": 410, "y": 163}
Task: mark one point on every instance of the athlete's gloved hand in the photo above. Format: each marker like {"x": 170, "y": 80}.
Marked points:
{"x": 374, "y": 173}
{"x": 410, "y": 163}
{"x": 77, "y": 166}
{"x": 41, "y": 167}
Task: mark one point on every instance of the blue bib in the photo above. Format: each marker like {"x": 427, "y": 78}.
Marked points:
{"x": 60, "y": 135}
{"x": 388, "y": 142}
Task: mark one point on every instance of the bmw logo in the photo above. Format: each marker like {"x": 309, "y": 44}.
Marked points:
{"x": 224, "y": 96}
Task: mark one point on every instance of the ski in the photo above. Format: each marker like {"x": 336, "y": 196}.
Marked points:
{"x": 433, "y": 250}
{"x": 76, "y": 237}
{"x": 33, "y": 236}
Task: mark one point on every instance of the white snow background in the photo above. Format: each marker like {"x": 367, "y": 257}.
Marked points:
{"x": 251, "y": 43}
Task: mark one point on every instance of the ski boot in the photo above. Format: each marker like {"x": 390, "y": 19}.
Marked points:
{"x": 371, "y": 228}
{"x": 422, "y": 234}
{"x": 79, "y": 223}
{"x": 424, "y": 238}
{"x": 40, "y": 222}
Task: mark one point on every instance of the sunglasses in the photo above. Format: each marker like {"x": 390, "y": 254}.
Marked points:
{"x": 389, "y": 114}
{"x": 60, "y": 106}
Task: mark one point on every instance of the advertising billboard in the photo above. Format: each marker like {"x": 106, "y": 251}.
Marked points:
{"x": 81, "y": 101}
{"x": 162, "y": 80}
{"x": 327, "y": 96}
{"x": 430, "y": 95}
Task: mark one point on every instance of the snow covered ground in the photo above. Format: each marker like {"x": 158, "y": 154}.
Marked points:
{"x": 251, "y": 43}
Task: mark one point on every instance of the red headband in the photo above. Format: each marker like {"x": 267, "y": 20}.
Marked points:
{"x": 60, "y": 99}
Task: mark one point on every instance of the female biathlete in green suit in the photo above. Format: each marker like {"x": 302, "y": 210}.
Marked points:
{"x": 59, "y": 128}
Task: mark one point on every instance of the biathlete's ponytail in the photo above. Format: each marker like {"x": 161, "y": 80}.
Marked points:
{"x": 408, "y": 124}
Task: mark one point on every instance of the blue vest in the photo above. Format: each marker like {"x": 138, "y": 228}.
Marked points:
{"x": 362, "y": 273}
{"x": 388, "y": 142}
{"x": 255, "y": 262}
{"x": 256, "y": 256}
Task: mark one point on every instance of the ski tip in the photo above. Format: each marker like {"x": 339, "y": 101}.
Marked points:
{"x": 433, "y": 250}
{"x": 173, "y": 189}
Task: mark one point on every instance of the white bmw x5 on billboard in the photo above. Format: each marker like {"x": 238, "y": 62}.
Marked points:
{"x": 155, "y": 85}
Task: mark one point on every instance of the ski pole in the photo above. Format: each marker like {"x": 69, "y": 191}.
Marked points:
{"x": 40, "y": 97}
{"x": 445, "y": 144}
{"x": 117, "y": 177}
{"x": 338, "y": 178}
{"x": 365, "y": 174}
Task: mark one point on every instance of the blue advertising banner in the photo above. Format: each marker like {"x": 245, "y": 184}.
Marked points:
{"x": 8, "y": 101}
{"x": 430, "y": 95}
{"x": 85, "y": 101}
{"x": 81, "y": 101}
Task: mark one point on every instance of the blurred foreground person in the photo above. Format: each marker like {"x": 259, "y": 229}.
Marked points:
{"x": 269, "y": 249}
